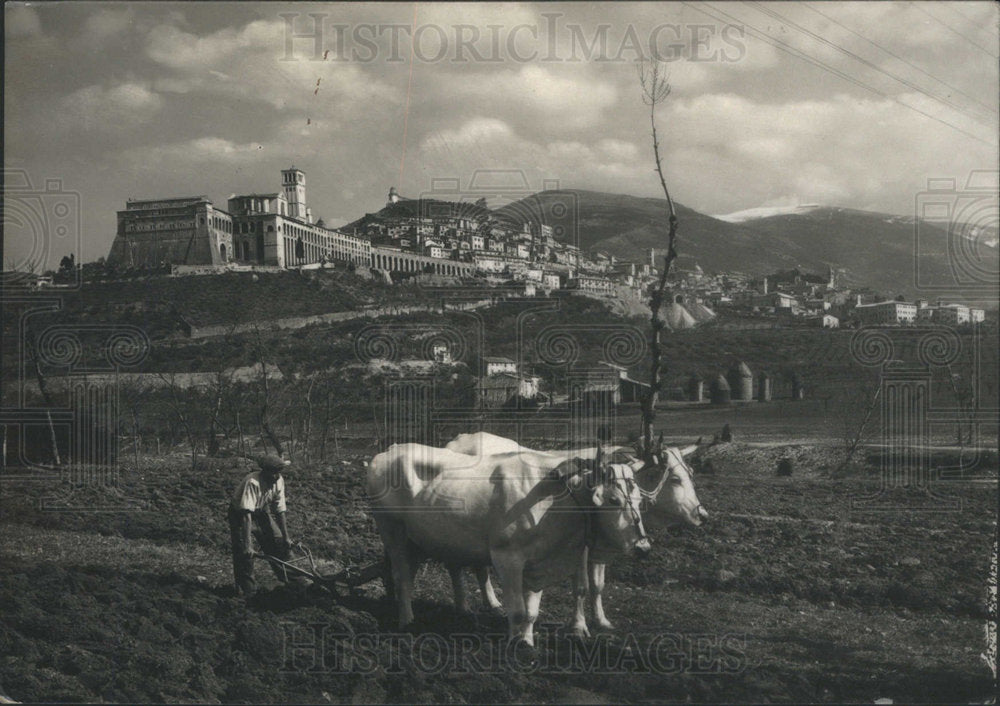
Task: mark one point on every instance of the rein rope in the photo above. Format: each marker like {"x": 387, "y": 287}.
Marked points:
{"x": 652, "y": 495}
{"x": 588, "y": 510}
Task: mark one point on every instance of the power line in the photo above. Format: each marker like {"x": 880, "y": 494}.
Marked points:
{"x": 952, "y": 29}
{"x": 901, "y": 59}
{"x": 785, "y": 47}
{"x": 856, "y": 57}
{"x": 950, "y": 7}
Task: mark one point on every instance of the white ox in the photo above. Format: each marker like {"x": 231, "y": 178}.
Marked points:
{"x": 668, "y": 492}
{"x": 531, "y": 520}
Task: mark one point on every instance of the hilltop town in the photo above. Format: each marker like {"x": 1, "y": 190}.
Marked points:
{"x": 467, "y": 244}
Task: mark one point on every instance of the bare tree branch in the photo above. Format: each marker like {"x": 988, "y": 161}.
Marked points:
{"x": 31, "y": 349}
{"x": 263, "y": 414}
{"x": 654, "y": 80}
{"x": 177, "y": 405}
{"x": 856, "y": 435}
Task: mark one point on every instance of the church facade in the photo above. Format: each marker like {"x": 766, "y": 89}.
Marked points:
{"x": 255, "y": 229}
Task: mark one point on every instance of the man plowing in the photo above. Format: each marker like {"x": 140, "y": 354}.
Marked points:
{"x": 258, "y": 508}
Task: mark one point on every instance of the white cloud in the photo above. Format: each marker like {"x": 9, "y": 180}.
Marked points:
{"x": 108, "y": 109}
{"x": 171, "y": 85}
{"x": 220, "y": 148}
{"x": 839, "y": 151}
{"x": 489, "y": 144}
{"x": 248, "y": 63}
{"x": 185, "y": 156}
{"x": 105, "y": 23}
{"x": 618, "y": 149}
{"x": 173, "y": 47}
{"x": 477, "y": 14}
{"x": 21, "y": 21}
{"x": 570, "y": 98}
{"x": 477, "y": 131}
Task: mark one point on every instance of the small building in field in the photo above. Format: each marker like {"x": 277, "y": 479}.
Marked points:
{"x": 764, "y": 388}
{"x": 495, "y": 365}
{"x": 824, "y": 321}
{"x": 695, "y": 388}
{"x": 720, "y": 391}
{"x": 495, "y": 391}
{"x": 740, "y": 381}
{"x": 630, "y": 390}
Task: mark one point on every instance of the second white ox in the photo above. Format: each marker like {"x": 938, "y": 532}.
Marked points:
{"x": 666, "y": 483}
{"x": 530, "y": 519}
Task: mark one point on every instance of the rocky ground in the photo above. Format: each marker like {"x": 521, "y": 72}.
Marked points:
{"x": 794, "y": 592}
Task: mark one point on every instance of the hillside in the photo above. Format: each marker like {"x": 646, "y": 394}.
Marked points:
{"x": 422, "y": 208}
{"x": 877, "y": 250}
{"x": 160, "y": 304}
{"x": 627, "y": 226}
{"x": 873, "y": 249}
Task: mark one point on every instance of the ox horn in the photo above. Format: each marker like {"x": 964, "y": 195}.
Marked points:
{"x": 686, "y": 451}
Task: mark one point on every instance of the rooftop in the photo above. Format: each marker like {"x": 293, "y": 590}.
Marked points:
{"x": 189, "y": 199}
{"x": 862, "y": 306}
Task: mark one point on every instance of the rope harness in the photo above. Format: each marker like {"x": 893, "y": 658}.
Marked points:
{"x": 651, "y": 496}
{"x": 634, "y": 514}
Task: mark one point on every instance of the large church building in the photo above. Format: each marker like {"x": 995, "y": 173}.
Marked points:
{"x": 255, "y": 229}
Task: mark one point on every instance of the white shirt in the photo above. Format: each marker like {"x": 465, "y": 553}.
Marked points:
{"x": 251, "y": 496}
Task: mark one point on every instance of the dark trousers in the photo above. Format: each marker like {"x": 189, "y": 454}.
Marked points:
{"x": 265, "y": 528}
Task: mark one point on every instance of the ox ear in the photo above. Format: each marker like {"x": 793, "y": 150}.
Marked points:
{"x": 659, "y": 442}
{"x": 686, "y": 451}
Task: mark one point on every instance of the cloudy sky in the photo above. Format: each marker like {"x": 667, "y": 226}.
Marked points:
{"x": 848, "y": 104}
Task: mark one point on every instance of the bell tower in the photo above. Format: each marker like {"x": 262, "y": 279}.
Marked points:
{"x": 293, "y": 184}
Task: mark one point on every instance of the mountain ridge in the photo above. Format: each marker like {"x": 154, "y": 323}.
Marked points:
{"x": 893, "y": 253}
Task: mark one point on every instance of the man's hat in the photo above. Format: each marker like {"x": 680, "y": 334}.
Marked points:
{"x": 273, "y": 463}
